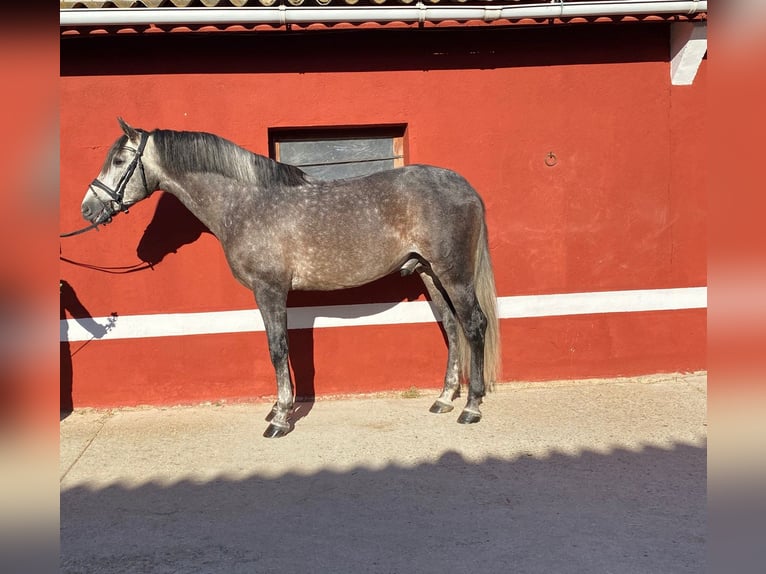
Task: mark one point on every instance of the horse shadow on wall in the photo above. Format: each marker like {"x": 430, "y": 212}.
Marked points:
{"x": 174, "y": 226}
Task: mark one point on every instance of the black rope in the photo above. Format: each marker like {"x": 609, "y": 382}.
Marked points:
{"x": 83, "y": 230}
{"x": 114, "y": 270}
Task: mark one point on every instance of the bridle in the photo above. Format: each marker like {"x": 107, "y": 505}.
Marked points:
{"x": 117, "y": 194}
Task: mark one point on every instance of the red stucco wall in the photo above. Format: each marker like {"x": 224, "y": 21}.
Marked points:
{"x": 622, "y": 209}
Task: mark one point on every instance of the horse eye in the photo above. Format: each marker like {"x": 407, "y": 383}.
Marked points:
{"x": 118, "y": 161}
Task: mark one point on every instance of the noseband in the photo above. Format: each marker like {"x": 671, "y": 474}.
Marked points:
{"x": 118, "y": 193}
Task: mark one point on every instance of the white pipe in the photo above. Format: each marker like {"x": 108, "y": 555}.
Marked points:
{"x": 411, "y": 13}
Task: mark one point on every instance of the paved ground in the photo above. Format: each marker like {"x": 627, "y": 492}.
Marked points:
{"x": 591, "y": 477}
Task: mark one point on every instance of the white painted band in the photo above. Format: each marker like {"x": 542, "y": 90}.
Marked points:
{"x": 249, "y": 320}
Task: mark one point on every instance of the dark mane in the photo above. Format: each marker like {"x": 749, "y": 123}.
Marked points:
{"x": 184, "y": 152}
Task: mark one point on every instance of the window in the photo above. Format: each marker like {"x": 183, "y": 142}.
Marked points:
{"x": 336, "y": 153}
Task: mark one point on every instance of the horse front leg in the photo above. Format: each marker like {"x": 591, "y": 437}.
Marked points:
{"x": 272, "y": 305}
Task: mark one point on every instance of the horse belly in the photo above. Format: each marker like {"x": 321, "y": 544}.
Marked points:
{"x": 350, "y": 232}
{"x": 325, "y": 266}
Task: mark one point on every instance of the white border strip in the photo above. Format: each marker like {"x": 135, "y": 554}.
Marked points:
{"x": 243, "y": 321}
{"x": 602, "y": 302}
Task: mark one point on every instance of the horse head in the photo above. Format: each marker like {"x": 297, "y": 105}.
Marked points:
{"x": 118, "y": 186}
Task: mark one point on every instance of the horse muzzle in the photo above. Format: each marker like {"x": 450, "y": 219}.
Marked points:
{"x": 97, "y": 212}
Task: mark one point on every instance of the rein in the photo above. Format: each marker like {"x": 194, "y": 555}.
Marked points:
{"x": 83, "y": 230}
{"x": 118, "y": 194}
{"x": 119, "y": 270}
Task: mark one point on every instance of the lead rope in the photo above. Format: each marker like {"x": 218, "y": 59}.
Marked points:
{"x": 116, "y": 270}
{"x": 83, "y": 230}
{"x": 116, "y": 195}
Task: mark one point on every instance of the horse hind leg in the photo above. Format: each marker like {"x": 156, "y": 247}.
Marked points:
{"x": 473, "y": 323}
{"x": 451, "y": 389}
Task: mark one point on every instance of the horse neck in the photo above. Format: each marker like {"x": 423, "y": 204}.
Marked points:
{"x": 214, "y": 200}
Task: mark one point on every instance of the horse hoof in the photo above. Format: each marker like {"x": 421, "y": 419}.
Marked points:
{"x": 274, "y": 431}
{"x": 439, "y": 407}
{"x": 469, "y": 417}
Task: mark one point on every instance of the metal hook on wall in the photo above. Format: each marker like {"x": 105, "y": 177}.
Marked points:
{"x": 551, "y": 159}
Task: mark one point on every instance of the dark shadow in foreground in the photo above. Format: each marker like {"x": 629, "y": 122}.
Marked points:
{"x": 626, "y": 511}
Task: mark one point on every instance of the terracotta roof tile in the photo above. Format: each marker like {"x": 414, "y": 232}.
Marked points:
{"x": 100, "y": 29}
{"x": 68, "y": 4}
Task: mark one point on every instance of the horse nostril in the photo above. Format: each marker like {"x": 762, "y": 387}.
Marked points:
{"x": 86, "y": 210}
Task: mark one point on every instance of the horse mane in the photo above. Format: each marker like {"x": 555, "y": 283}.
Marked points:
{"x": 183, "y": 152}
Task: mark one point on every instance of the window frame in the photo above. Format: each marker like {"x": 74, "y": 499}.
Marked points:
{"x": 396, "y": 132}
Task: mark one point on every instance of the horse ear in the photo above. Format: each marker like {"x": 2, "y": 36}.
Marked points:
{"x": 132, "y": 133}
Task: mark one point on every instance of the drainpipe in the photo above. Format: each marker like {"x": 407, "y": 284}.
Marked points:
{"x": 419, "y": 12}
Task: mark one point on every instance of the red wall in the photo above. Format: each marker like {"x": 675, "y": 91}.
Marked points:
{"x": 622, "y": 209}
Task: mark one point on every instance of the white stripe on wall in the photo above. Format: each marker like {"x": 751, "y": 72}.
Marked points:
{"x": 249, "y": 320}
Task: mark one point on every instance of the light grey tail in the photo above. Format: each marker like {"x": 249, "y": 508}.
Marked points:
{"x": 484, "y": 282}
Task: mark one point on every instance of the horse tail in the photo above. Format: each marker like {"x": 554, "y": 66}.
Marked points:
{"x": 484, "y": 279}
{"x": 484, "y": 283}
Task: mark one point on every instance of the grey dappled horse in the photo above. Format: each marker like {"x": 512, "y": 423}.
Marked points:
{"x": 281, "y": 230}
